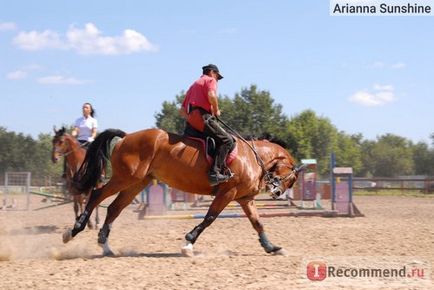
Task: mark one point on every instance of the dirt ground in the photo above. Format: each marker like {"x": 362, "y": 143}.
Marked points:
{"x": 395, "y": 230}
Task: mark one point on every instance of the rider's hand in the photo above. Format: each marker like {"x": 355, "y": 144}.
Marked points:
{"x": 218, "y": 113}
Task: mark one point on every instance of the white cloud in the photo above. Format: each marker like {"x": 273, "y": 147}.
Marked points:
{"x": 381, "y": 65}
{"x": 16, "y": 75}
{"x": 88, "y": 40}
{"x": 60, "y": 80}
{"x": 378, "y": 87}
{"x": 35, "y": 40}
{"x": 7, "y": 26}
{"x": 399, "y": 65}
{"x": 380, "y": 95}
{"x": 23, "y": 72}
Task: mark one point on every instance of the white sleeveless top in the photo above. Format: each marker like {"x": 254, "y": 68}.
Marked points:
{"x": 85, "y": 125}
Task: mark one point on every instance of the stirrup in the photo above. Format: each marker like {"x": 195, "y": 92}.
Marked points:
{"x": 217, "y": 178}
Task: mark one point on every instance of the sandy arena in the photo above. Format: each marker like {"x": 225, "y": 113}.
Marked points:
{"x": 229, "y": 256}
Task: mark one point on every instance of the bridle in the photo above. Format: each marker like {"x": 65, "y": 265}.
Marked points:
{"x": 274, "y": 183}
{"x": 64, "y": 154}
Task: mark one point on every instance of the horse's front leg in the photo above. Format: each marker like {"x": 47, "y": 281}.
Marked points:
{"x": 97, "y": 221}
{"x": 249, "y": 208}
{"x": 221, "y": 200}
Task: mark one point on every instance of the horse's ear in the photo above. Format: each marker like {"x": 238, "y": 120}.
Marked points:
{"x": 54, "y": 129}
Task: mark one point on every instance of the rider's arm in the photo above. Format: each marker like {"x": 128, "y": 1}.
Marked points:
{"x": 213, "y": 99}
{"x": 183, "y": 113}
{"x": 93, "y": 133}
{"x": 75, "y": 132}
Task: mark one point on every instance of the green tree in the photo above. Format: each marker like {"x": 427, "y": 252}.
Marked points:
{"x": 391, "y": 156}
{"x": 368, "y": 160}
{"x": 22, "y": 153}
{"x": 251, "y": 112}
{"x": 254, "y": 112}
{"x": 349, "y": 151}
{"x": 423, "y": 158}
{"x": 169, "y": 118}
{"x": 313, "y": 137}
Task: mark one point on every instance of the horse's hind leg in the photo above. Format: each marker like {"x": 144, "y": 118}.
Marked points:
{"x": 249, "y": 208}
{"x": 124, "y": 198}
{"x": 99, "y": 185}
{"x": 95, "y": 198}
{"x": 90, "y": 224}
{"x": 218, "y": 204}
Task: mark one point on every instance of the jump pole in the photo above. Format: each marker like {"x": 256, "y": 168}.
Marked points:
{"x": 242, "y": 215}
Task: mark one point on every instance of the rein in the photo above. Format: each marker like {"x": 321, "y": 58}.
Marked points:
{"x": 266, "y": 173}
{"x": 69, "y": 152}
{"x": 274, "y": 181}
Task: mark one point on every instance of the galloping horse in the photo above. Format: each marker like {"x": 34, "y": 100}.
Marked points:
{"x": 67, "y": 146}
{"x": 180, "y": 162}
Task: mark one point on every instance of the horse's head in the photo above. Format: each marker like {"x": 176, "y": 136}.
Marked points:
{"x": 282, "y": 175}
{"x": 59, "y": 144}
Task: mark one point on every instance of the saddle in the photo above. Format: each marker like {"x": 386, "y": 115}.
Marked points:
{"x": 209, "y": 145}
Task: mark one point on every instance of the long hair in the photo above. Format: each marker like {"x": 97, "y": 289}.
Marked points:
{"x": 95, "y": 161}
{"x": 92, "y": 110}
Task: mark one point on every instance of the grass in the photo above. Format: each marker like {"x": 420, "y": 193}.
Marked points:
{"x": 394, "y": 192}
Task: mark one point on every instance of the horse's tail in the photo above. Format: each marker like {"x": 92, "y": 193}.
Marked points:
{"x": 95, "y": 161}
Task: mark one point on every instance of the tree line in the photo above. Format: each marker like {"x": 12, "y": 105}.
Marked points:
{"x": 254, "y": 112}
{"x": 309, "y": 136}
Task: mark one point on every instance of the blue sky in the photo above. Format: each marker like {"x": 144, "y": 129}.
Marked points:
{"x": 369, "y": 75}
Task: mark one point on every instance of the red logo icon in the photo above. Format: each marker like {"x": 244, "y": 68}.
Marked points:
{"x": 316, "y": 271}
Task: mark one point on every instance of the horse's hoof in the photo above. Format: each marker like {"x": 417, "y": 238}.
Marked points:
{"x": 67, "y": 236}
{"x": 281, "y": 252}
{"x": 187, "y": 250}
{"x": 108, "y": 253}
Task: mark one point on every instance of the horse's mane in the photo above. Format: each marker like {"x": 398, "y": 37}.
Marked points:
{"x": 269, "y": 137}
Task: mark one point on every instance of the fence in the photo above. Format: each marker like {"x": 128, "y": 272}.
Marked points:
{"x": 382, "y": 183}
{"x": 16, "y": 191}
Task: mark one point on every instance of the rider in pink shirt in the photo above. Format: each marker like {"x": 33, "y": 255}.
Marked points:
{"x": 200, "y": 109}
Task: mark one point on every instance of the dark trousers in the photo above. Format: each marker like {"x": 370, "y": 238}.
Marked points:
{"x": 224, "y": 142}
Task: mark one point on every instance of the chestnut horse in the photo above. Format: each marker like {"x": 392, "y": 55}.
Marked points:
{"x": 180, "y": 162}
{"x": 64, "y": 145}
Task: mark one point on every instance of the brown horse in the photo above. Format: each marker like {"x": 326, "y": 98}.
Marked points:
{"x": 64, "y": 145}
{"x": 180, "y": 162}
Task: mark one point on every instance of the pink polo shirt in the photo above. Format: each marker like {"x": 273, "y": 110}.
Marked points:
{"x": 197, "y": 94}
